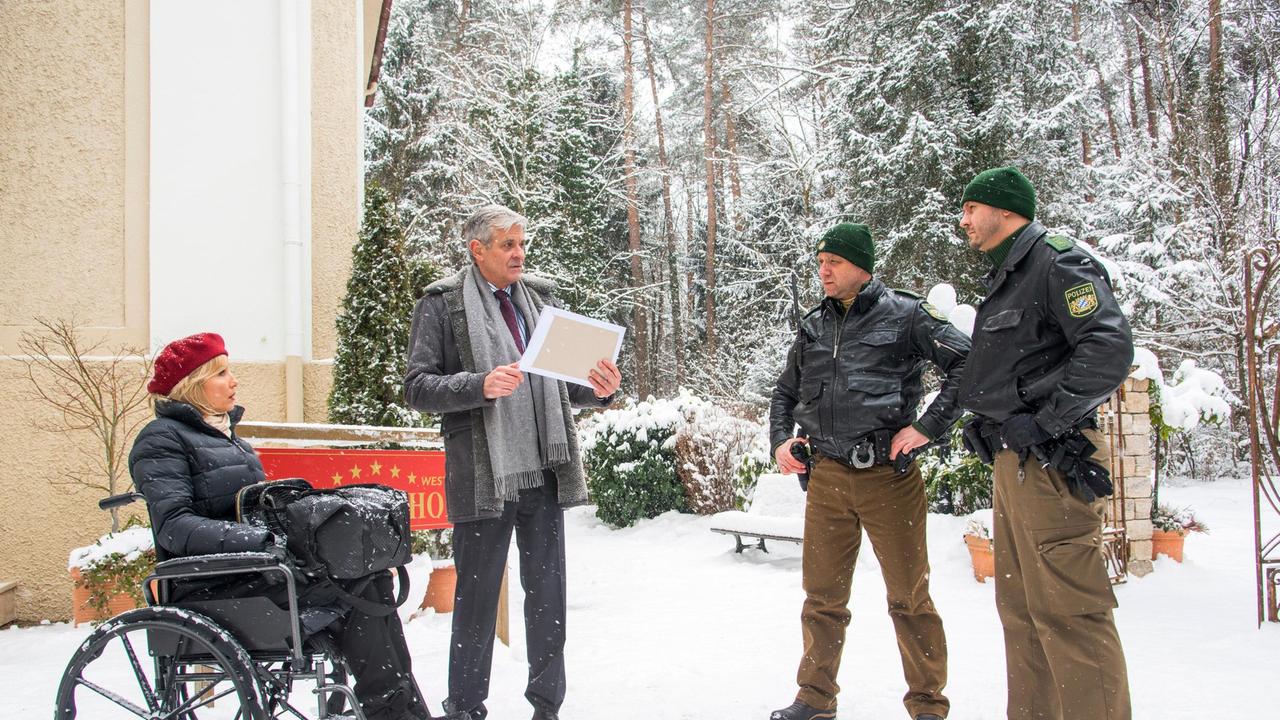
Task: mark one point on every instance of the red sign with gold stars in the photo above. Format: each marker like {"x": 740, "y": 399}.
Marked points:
{"x": 420, "y": 473}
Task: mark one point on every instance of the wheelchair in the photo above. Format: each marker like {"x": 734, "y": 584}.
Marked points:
{"x": 237, "y": 659}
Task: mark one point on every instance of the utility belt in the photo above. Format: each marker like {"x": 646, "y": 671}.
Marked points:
{"x": 1070, "y": 454}
{"x": 867, "y": 451}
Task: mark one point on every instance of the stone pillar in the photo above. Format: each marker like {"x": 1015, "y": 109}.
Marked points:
{"x": 1127, "y": 426}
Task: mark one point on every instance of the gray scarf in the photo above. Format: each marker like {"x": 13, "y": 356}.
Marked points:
{"x": 516, "y": 455}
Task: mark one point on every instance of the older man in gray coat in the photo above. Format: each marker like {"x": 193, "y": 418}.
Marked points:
{"x": 511, "y": 455}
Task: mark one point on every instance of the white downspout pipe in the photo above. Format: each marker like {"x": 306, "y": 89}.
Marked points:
{"x": 291, "y": 192}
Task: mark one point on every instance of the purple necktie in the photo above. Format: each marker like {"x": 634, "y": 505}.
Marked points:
{"x": 509, "y": 314}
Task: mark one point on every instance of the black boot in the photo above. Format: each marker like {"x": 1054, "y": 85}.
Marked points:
{"x": 799, "y": 711}
{"x": 453, "y": 712}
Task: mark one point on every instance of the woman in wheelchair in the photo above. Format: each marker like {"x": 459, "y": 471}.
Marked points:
{"x": 190, "y": 465}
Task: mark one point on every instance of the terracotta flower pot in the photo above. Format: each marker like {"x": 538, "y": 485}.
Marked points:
{"x": 984, "y": 561}
{"x": 440, "y": 588}
{"x": 82, "y": 611}
{"x": 1167, "y": 543}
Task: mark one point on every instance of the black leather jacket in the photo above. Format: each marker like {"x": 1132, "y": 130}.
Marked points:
{"x": 849, "y": 374}
{"x": 1049, "y": 338}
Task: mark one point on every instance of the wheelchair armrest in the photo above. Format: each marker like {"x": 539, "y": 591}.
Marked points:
{"x": 222, "y": 563}
{"x": 210, "y": 566}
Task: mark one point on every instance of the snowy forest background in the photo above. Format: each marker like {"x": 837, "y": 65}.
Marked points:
{"x": 677, "y": 161}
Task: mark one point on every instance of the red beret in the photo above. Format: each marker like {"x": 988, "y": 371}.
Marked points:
{"x": 180, "y": 358}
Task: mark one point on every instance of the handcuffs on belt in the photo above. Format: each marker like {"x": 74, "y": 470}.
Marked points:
{"x": 863, "y": 453}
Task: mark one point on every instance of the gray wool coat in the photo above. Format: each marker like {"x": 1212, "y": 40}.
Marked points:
{"x": 442, "y": 378}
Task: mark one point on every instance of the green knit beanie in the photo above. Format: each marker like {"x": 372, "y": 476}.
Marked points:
{"x": 1004, "y": 188}
{"x": 852, "y": 242}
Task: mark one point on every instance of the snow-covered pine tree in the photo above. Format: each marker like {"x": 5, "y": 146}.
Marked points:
{"x": 411, "y": 146}
{"x": 578, "y": 218}
{"x": 373, "y": 325}
{"x": 934, "y": 92}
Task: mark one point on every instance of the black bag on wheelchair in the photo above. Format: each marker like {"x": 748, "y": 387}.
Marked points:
{"x": 340, "y": 537}
{"x": 350, "y": 531}
{"x": 344, "y": 532}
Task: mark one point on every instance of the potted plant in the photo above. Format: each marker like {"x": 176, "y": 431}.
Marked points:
{"x": 108, "y": 574}
{"x": 1169, "y": 530}
{"x": 438, "y": 544}
{"x": 978, "y": 537}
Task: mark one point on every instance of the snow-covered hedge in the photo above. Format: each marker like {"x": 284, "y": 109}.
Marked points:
{"x": 630, "y": 457}
{"x": 682, "y": 454}
{"x": 720, "y": 458}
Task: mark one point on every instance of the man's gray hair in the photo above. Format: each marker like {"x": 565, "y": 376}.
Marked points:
{"x": 483, "y": 222}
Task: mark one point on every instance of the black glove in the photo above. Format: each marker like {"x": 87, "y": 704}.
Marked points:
{"x": 1021, "y": 432}
{"x": 1093, "y": 477}
{"x": 280, "y": 550}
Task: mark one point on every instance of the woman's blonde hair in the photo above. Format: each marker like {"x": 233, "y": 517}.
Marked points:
{"x": 190, "y": 389}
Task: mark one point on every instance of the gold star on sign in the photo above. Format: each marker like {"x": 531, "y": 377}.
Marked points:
{"x": 337, "y": 479}
{"x": 412, "y": 478}
{"x": 395, "y": 471}
{"x": 376, "y": 468}
{"x": 355, "y": 471}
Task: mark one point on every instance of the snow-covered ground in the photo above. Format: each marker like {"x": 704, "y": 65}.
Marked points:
{"x": 666, "y": 622}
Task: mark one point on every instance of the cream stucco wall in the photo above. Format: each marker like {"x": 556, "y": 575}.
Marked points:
{"x": 337, "y": 156}
{"x": 74, "y": 158}
{"x": 73, "y": 153}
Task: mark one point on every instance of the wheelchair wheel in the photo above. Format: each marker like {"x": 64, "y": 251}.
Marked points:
{"x": 160, "y": 663}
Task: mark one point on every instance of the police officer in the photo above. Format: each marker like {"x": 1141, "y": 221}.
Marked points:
{"x": 853, "y": 382}
{"x": 1049, "y": 346}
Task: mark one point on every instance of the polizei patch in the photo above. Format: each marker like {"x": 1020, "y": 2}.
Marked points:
{"x": 1082, "y": 300}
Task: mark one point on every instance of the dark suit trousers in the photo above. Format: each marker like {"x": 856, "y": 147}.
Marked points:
{"x": 480, "y": 554}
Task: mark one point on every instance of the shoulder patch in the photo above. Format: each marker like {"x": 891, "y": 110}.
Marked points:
{"x": 1061, "y": 243}
{"x": 934, "y": 312}
{"x": 908, "y": 293}
{"x": 1082, "y": 300}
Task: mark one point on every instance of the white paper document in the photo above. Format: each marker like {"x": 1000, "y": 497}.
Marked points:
{"x": 566, "y": 346}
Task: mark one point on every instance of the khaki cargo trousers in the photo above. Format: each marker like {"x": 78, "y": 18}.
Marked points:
{"x": 841, "y": 502}
{"x": 1062, "y": 652}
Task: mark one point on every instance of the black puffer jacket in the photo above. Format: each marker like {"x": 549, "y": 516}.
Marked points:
{"x": 190, "y": 473}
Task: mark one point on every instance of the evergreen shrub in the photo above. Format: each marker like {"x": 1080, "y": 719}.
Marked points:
{"x": 373, "y": 324}
{"x": 682, "y": 454}
{"x": 436, "y": 544}
{"x": 956, "y": 482}
{"x": 630, "y": 460}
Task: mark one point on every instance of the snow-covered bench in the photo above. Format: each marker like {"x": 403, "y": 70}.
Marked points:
{"x": 776, "y": 513}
